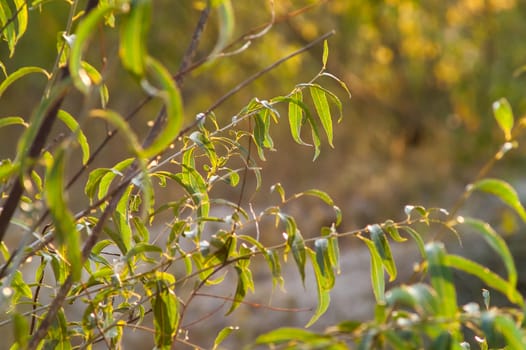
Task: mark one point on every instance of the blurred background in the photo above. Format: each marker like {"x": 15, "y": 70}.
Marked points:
{"x": 423, "y": 77}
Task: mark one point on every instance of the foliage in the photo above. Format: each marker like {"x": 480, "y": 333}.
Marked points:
{"x": 129, "y": 259}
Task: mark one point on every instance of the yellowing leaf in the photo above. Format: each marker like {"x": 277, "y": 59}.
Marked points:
{"x": 504, "y": 116}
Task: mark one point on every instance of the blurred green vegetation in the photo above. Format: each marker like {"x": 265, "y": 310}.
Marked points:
{"x": 423, "y": 75}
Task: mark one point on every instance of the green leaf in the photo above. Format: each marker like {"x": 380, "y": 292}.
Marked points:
{"x": 497, "y": 243}
{"x": 120, "y": 123}
{"x": 244, "y": 283}
{"x": 490, "y": 278}
{"x": 174, "y": 108}
{"x": 165, "y": 308}
{"x": 383, "y": 249}
{"x": 339, "y": 81}
{"x": 9, "y": 33}
{"x": 322, "y": 108}
{"x": 323, "y": 260}
{"x": 225, "y": 27}
{"x": 325, "y": 55}
{"x": 515, "y": 337}
{"x": 296, "y": 243}
{"x": 19, "y": 73}
{"x": 21, "y": 329}
{"x": 417, "y": 296}
{"x": 390, "y": 227}
{"x": 141, "y": 248}
{"x": 441, "y": 278}
{"x": 504, "y": 191}
{"x": 66, "y": 233}
{"x": 74, "y": 126}
{"x": 501, "y": 332}
{"x": 377, "y": 271}
{"x": 86, "y": 28}
{"x": 93, "y": 182}
{"x": 504, "y": 116}
{"x": 296, "y": 110}
{"x": 319, "y": 194}
{"x": 322, "y": 287}
{"x": 6, "y": 121}
{"x": 20, "y": 286}
{"x": 133, "y": 35}
{"x": 222, "y": 335}
{"x": 262, "y": 137}
{"x": 109, "y": 176}
{"x": 280, "y": 190}
{"x": 21, "y": 17}
{"x": 282, "y": 335}
{"x": 417, "y": 238}
{"x": 121, "y": 215}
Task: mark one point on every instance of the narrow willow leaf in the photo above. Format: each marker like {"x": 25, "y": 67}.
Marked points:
{"x": 390, "y": 227}
{"x": 21, "y": 17}
{"x": 296, "y": 108}
{"x": 417, "y": 238}
{"x": 93, "y": 182}
{"x": 377, "y": 271}
{"x": 133, "y": 35}
{"x": 143, "y": 233}
{"x": 334, "y": 253}
{"x": 225, "y": 27}
{"x": 280, "y": 190}
{"x": 325, "y": 55}
{"x": 324, "y": 297}
{"x": 165, "y": 308}
{"x": 441, "y": 278}
{"x": 339, "y": 81}
{"x": 66, "y": 232}
{"x": 321, "y": 248}
{"x": 74, "y": 126}
{"x": 122, "y": 222}
{"x": 319, "y": 194}
{"x": 96, "y": 78}
{"x": 174, "y": 108}
{"x": 262, "y": 137}
{"x": 21, "y": 329}
{"x": 20, "y": 287}
{"x": 383, "y": 249}
{"x": 203, "y": 141}
{"x": 504, "y": 191}
{"x": 515, "y": 336}
{"x": 418, "y": 296}
{"x": 222, "y": 335}
{"x": 444, "y": 341}
{"x": 497, "y": 243}
{"x": 6, "y": 121}
{"x": 501, "y": 332}
{"x": 241, "y": 290}
{"x": 141, "y": 248}
{"x": 297, "y": 245}
{"x": 490, "y": 278}
{"x": 282, "y": 335}
{"x": 118, "y": 121}
{"x": 86, "y": 28}
{"x": 109, "y": 176}
{"x": 9, "y": 33}
{"x": 324, "y": 113}
{"x": 19, "y": 73}
{"x": 504, "y": 116}
{"x": 396, "y": 341}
